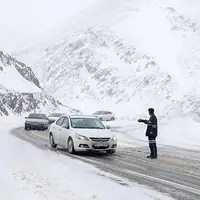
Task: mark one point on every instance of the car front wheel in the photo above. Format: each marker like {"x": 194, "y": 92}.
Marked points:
{"x": 71, "y": 146}
{"x": 112, "y": 119}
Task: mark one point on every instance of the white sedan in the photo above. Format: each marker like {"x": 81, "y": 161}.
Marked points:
{"x": 104, "y": 115}
{"x": 82, "y": 133}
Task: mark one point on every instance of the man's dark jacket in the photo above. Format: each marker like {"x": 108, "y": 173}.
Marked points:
{"x": 152, "y": 127}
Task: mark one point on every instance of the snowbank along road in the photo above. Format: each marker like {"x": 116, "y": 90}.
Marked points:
{"x": 175, "y": 172}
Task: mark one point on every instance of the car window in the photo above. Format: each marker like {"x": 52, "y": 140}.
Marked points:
{"x": 97, "y": 113}
{"x": 59, "y": 121}
{"x": 107, "y": 113}
{"x": 37, "y": 116}
{"x": 65, "y": 121}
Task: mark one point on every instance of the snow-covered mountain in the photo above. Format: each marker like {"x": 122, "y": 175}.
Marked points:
{"x": 125, "y": 56}
{"x": 20, "y": 90}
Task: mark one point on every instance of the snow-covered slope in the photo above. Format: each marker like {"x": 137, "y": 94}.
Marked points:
{"x": 125, "y": 56}
{"x": 20, "y": 90}
{"x": 21, "y": 77}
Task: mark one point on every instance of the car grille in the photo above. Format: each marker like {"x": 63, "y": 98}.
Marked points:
{"x": 35, "y": 123}
{"x": 100, "y": 147}
{"x": 100, "y": 139}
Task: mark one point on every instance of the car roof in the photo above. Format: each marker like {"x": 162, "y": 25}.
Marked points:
{"x": 81, "y": 116}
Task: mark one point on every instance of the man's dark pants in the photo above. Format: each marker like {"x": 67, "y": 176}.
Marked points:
{"x": 152, "y": 146}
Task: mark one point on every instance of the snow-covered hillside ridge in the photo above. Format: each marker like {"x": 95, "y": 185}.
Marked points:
{"x": 144, "y": 55}
{"x": 16, "y": 71}
{"x": 20, "y": 90}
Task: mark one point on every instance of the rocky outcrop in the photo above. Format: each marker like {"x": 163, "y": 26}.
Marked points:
{"x": 16, "y": 101}
{"x": 23, "y": 69}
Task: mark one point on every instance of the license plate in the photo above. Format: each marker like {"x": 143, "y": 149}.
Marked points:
{"x": 100, "y": 145}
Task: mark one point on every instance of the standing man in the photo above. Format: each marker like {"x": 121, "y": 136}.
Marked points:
{"x": 151, "y": 132}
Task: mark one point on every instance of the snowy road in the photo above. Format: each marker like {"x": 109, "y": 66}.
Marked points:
{"x": 176, "y": 171}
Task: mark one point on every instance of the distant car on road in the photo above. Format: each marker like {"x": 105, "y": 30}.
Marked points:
{"x": 54, "y": 116}
{"x": 104, "y": 115}
{"x": 82, "y": 133}
{"x": 36, "y": 121}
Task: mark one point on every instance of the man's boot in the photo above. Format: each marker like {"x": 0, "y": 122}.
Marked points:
{"x": 149, "y": 156}
{"x": 151, "y": 151}
{"x": 154, "y": 150}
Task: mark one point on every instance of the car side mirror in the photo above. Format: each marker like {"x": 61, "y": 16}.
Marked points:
{"x": 66, "y": 126}
{"x": 108, "y": 127}
{"x": 26, "y": 117}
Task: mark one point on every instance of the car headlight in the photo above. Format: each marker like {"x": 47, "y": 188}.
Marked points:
{"x": 114, "y": 138}
{"x": 81, "y": 137}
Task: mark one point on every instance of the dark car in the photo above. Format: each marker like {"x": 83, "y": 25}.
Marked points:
{"x": 54, "y": 116}
{"x": 36, "y": 121}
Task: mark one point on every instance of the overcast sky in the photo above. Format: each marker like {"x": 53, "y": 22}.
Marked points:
{"x": 22, "y": 21}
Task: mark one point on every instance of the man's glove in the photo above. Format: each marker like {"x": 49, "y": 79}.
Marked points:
{"x": 139, "y": 120}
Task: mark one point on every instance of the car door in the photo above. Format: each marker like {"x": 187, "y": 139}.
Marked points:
{"x": 101, "y": 115}
{"x": 64, "y": 132}
{"x": 56, "y": 130}
{"x": 109, "y": 115}
{"x": 105, "y": 116}
{"x": 46, "y": 119}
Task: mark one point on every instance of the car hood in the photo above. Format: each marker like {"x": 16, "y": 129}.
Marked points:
{"x": 36, "y": 120}
{"x": 94, "y": 132}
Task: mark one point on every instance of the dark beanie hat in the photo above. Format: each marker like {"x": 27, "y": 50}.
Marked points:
{"x": 151, "y": 110}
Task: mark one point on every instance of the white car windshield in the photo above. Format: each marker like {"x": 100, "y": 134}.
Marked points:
{"x": 88, "y": 123}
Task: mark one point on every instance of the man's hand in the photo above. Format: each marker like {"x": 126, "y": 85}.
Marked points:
{"x": 139, "y": 120}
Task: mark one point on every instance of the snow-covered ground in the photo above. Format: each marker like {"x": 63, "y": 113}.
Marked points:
{"x": 30, "y": 173}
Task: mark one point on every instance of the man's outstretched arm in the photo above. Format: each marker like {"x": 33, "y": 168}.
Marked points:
{"x": 145, "y": 121}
